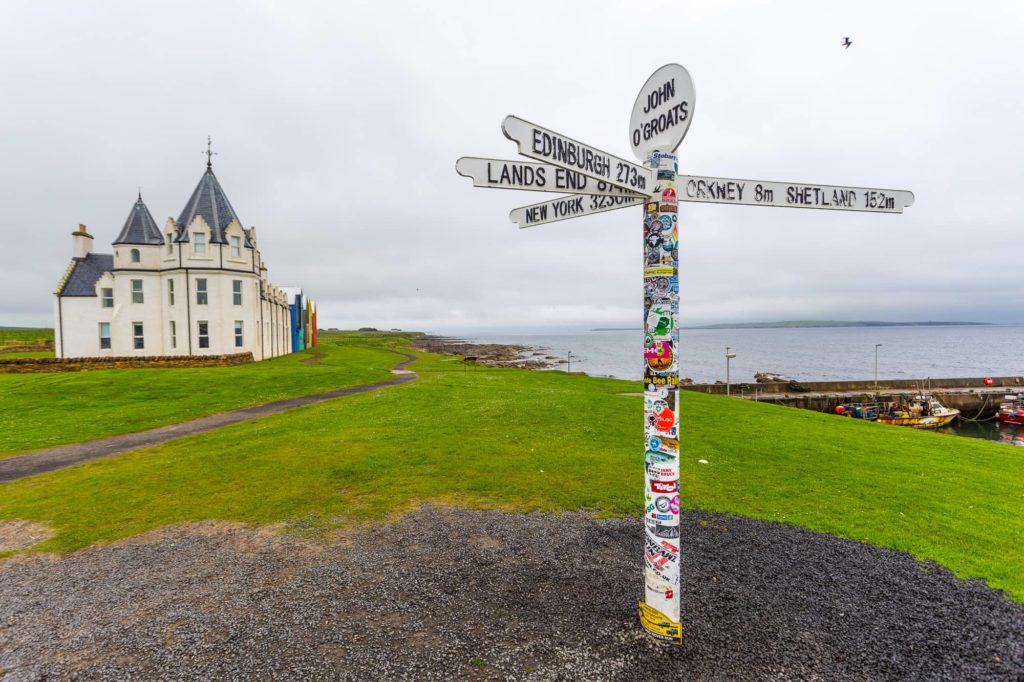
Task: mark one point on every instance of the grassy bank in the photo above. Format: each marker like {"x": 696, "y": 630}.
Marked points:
{"x": 540, "y": 440}
{"x": 46, "y": 409}
{"x": 24, "y": 336}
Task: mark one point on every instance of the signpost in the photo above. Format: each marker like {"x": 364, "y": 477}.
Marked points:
{"x": 546, "y": 145}
{"x": 793, "y": 195}
{"x": 596, "y": 181}
{"x": 539, "y": 177}
{"x": 571, "y": 206}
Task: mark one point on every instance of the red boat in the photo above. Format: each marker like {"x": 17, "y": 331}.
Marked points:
{"x": 1012, "y": 410}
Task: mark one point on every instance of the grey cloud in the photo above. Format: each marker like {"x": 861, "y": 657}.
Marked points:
{"x": 338, "y": 126}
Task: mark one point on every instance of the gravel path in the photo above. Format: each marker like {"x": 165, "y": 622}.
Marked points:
{"x": 41, "y": 461}
{"x": 475, "y": 595}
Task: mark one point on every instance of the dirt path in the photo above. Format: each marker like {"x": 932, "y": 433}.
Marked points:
{"x": 41, "y": 461}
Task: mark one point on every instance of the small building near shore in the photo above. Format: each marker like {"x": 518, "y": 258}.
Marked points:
{"x": 197, "y": 286}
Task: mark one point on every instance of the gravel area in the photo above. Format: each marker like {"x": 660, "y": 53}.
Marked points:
{"x": 477, "y": 595}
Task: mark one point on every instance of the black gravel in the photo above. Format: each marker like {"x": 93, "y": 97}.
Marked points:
{"x": 472, "y": 595}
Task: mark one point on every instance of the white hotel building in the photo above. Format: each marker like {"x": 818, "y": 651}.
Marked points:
{"x": 198, "y": 287}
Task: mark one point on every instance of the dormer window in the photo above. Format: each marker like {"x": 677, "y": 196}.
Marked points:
{"x": 170, "y": 246}
{"x": 236, "y": 247}
{"x": 136, "y": 256}
{"x": 199, "y": 243}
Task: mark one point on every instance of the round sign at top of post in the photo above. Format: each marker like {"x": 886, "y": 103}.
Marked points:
{"x": 662, "y": 112}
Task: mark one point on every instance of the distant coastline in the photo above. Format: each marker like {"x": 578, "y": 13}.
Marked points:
{"x": 806, "y": 324}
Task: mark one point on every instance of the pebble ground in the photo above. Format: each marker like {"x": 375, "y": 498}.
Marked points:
{"x": 461, "y": 594}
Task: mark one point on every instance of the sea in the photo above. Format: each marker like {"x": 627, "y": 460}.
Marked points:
{"x": 804, "y": 354}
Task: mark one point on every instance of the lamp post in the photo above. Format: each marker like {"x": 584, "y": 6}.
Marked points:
{"x": 877, "y": 346}
{"x": 568, "y": 362}
{"x": 728, "y": 356}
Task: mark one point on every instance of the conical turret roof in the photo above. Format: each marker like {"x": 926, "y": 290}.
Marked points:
{"x": 139, "y": 228}
{"x": 209, "y": 201}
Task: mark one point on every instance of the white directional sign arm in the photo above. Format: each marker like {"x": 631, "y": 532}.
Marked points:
{"x": 700, "y": 188}
{"x": 537, "y": 177}
{"x": 557, "y": 149}
{"x": 572, "y": 206}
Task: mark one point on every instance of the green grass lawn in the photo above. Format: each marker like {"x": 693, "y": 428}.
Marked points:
{"x": 6, "y": 355}
{"x": 52, "y": 408}
{"x": 24, "y": 337}
{"x": 544, "y": 440}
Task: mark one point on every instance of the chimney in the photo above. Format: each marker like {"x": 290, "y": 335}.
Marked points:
{"x": 82, "y": 242}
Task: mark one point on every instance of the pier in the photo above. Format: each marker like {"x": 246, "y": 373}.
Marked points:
{"x": 975, "y": 398}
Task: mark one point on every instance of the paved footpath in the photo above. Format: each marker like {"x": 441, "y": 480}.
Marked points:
{"x": 41, "y": 461}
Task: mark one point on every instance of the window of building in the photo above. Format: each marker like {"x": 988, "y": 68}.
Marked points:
{"x": 169, "y": 242}
{"x": 107, "y": 297}
{"x": 201, "y": 294}
{"x": 236, "y": 247}
{"x": 170, "y": 292}
{"x": 137, "y": 291}
{"x": 238, "y": 334}
{"x": 199, "y": 243}
{"x": 104, "y": 336}
{"x": 236, "y": 291}
{"x": 136, "y": 256}
{"x": 174, "y": 334}
{"x": 137, "y": 337}
{"x": 204, "y": 334}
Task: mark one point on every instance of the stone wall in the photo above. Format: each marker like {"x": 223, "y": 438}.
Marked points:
{"x": 29, "y": 365}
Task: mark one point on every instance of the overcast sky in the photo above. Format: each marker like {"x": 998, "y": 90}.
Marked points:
{"x": 337, "y": 127}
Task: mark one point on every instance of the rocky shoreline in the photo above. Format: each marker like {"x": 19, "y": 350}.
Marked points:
{"x": 489, "y": 354}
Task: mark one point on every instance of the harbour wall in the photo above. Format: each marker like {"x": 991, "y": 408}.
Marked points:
{"x": 971, "y": 396}
{"x": 868, "y": 385}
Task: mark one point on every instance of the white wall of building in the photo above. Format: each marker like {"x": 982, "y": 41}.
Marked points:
{"x": 264, "y": 316}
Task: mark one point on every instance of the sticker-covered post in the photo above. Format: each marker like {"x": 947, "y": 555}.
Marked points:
{"x": 659, "y": 611}
{"x": 660, "y": 119}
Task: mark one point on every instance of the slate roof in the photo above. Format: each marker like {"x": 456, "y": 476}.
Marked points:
{"x": 87, "y": 271}
{"x": 139, "y": 228}
{"x": 209, "y": 201}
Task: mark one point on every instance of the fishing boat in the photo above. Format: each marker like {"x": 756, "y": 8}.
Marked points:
{"x": 918, "y": 412}
{"x": 1011, "y": 411}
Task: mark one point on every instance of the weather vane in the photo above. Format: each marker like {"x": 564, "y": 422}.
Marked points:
{"x": 209, "y": 153}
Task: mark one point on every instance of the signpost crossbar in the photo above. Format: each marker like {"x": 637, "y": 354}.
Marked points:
{"x": 700, "y": 188}
{"x": 542, "y": 144}
{"x": 537, "y": 177}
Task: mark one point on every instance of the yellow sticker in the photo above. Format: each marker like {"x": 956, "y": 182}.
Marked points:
{"x": 659, "y": 625}
{"x": 659, "y": 271}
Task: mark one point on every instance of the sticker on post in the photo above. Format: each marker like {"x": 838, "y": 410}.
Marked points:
{"x": 659, "y": 625}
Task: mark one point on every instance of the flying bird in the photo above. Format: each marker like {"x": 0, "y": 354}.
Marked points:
{"x": 847, "y": 42}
